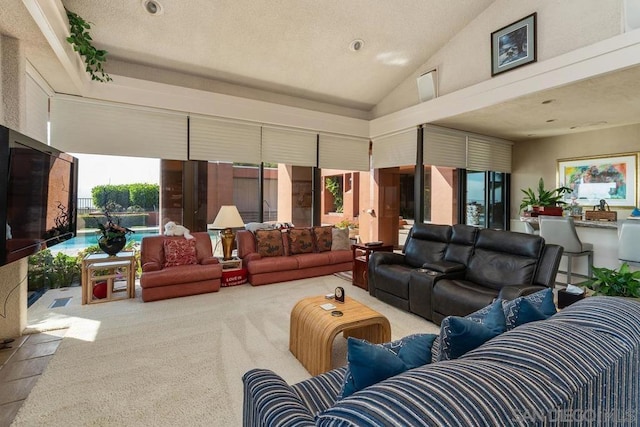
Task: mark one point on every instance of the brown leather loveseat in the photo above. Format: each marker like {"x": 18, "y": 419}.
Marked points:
{"x": 176, "y": 267}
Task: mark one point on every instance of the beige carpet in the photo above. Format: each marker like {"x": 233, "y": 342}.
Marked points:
{"x": 174, "y": 362}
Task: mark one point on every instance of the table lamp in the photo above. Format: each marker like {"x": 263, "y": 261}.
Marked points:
{"x": 228, "y": 217}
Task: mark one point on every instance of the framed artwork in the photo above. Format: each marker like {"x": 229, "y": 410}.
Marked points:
{"x": 609, "y": 178}
{"x": 514, "y": 45}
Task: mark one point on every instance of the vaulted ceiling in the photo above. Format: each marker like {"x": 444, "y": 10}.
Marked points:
{"x": 293, "y": 47}
{"x": 298, "y": 51}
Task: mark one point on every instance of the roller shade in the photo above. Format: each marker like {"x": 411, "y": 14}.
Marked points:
{"x": 398, "y": 149}
{"x": 343, "y": 152}
{"x": 444, "y": 147}
{"x": 37, "y": 111}
{"x": 80, "y": 125}
{"x": 223, "y": 140}
{"x": 289, "y": 146}
{"x": 487, "y": 154}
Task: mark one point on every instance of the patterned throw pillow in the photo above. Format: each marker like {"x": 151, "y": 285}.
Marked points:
{"x": 300, "y": 241}
{"x": 529, "y": 308}
{"x": 179, "y": 252}
{"x": 323, "y": 237}
{"x": 458, "y": 335}
{"x": 269, "y": 243}
{"x": 372, "y": 363}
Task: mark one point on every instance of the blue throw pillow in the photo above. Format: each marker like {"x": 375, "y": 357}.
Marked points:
{"x": 542, "y": 301}
{"x": 372, "y": 363}
{"x": 459, "y": 335}
{"x": 528, "y": 313}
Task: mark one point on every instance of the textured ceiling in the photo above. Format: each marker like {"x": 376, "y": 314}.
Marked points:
{"x": 298, "y": 50}
{"x": 293, "y": 47}
{"x": 606, "y": 101}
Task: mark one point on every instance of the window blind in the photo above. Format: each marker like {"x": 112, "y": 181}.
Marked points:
{"x": 343, "y": 152}
{"x": 488, "y": 154}
{"x": 289, "y": 146}
{"x": 397, "y": 149}
{"x": 444, "y": 147}
{"x": 37, "y": 111}
{"x": 81, "y": 125}
{"x": 223, "y": 140}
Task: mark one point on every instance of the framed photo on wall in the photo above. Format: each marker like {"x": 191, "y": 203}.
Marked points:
{"x": 514, "y": 45}
{"x": 609, "y": 178}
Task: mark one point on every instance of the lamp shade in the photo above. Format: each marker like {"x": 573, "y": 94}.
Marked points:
{"x": 228, "y": 217}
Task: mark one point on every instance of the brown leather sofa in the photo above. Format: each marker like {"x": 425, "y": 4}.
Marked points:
{"x": 263, "y": 270}
{"x": 160, "y": 282}
{"x": 455, "y": 270}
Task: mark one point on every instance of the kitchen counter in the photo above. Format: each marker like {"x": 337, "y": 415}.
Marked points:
{"x": 582, "y": 223}
{"x": 602, "y": 234}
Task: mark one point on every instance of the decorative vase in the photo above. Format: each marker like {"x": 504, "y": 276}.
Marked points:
{"x": 112, "y": 246}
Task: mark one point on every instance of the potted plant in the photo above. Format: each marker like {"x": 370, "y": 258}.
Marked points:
{"x": 545, "y": 201}
{"x": 621, "y": 283}
{"x": 351, "y": 225}
{"x": 113, "y": 236}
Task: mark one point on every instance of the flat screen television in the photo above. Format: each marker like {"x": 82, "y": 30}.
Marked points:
{"x": 38, "y": 193}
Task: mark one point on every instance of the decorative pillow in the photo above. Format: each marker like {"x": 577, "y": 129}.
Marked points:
{"x": 300, "y": 241}
{"x": 542, "y": 301}
{"x": 323, "y": 237}
{"x": 255, "y": 226}
{"x": 269, "y": 243}
{"x": 179, "y": 252}
{"x": 372, "y": 363}
{"x": 340, "y": 239}
{"x": 459, "y": 335}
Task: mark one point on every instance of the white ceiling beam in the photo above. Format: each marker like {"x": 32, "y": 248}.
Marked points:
{"x": 159, "y": 95}
{"x": 610, "y": 55}
{"x": 51, "y": 18}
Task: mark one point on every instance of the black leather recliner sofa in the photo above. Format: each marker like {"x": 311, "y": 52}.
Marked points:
{"x": 455, "y": 270}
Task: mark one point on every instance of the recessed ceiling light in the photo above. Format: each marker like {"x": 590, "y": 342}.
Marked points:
{"x": 548, "y": 101}
{"x": 551, "y": 120}
{"x": 152, "y": 7}
{"x": 356, "y": 45}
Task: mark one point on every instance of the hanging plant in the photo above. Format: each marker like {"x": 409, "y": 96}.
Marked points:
{"x": 81, "y": 40}
{"x": 332, "y": 184}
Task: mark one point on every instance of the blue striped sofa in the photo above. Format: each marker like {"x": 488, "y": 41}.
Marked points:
{"x": 581, "y": 367}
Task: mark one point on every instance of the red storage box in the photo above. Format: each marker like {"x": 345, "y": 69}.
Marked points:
{"x": 236, "y": 276}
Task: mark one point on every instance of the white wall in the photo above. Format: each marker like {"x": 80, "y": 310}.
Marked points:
{"x": 538, "y": 158}
{"x": 562, "y": 26}
{"x": 12, "y": 83}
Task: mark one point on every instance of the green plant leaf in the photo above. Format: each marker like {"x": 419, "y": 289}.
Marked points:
{"x": 81, "y": 43}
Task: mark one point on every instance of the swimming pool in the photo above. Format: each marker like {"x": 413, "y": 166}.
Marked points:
{"x": 90, "y": 238}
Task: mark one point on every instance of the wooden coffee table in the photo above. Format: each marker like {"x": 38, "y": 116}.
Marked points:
{"x": 314, "y": 329}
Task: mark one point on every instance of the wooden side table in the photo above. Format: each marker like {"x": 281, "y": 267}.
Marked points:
{"x": 361, "y": 253}
{"x": 313, "y": 329}
{"x": 230, "y": 264}
{"x": 112, "y": 270}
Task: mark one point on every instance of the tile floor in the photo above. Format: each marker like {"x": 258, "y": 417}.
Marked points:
{"x": 21, "y": 366}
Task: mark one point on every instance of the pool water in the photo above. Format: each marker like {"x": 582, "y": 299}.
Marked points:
{"x": 85, "y": 239}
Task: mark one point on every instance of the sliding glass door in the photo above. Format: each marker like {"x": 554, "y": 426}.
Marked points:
{"x": 486, "y": 196}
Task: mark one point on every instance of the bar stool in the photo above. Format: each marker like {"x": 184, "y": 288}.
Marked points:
{"x": 629, "y": 242}
{"x": 562, "y": 231}
{"x": 531, "y": 227}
